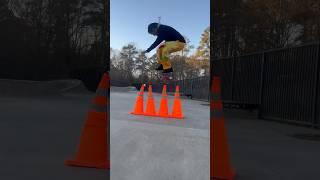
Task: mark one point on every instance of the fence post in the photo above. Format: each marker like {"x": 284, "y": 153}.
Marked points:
{"x": 232, "y": 76}
{"x": 191, "y": 88}
{"x": 209, "y": 88}
{"x": 316, "y": 89}
{"x": 262, "y": 77}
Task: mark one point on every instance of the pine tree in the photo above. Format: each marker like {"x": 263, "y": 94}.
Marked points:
{"x": 201, "y": 59}
{"x": 141, "y": 67}
{"x": 204, "y": 47}
{"x": 128, "y": 57}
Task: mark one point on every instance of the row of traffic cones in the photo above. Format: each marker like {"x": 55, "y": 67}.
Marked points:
{"x": 93, "y": 149}
{"x": 177, "y": 111}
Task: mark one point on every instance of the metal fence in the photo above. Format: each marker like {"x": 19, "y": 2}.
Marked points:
{"x": 197, "y": 88}
{"x": 283, "y": 82}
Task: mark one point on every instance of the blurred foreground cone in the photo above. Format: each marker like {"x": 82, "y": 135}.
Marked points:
{"x": 163, "y": 110}
{"x": 138, "y": 107}
{"x": 220, "y": 167}
{"x": 92, "y": 150}
{"x": 151, "y": 108}
{"x": 177, "y": 106}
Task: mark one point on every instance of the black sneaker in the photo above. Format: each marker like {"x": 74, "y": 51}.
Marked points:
{"x": 167, "y": 70}
{"x": 159, "y": 68}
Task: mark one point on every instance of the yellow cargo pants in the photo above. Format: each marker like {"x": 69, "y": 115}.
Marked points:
{"x": 166, "y": 49}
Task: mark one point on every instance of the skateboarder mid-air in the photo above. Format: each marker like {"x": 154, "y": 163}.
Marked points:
{"x": 174, "y": 42}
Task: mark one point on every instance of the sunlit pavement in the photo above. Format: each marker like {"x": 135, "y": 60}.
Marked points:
{"x": 144, "y": 148}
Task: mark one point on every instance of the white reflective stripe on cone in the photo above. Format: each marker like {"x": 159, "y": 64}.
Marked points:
{"x": 217, "y": 114}
{"x": 98, "y": 108}
{"x": 215, "y": 96}
{"x": 101, "y": 92}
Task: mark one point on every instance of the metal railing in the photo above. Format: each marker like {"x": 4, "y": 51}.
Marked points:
{"x": 196, "y": 88}
{"x": 283, "y": 82}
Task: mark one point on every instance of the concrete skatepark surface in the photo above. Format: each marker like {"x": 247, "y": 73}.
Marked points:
{"x": 144, "y": 148}
{"x": 40, "y": 128}
{"x": 266, "y": 150}
{"x": 39, "y": 131}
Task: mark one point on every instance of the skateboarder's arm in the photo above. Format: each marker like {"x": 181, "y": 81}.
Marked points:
{"x": 155, "y": 44}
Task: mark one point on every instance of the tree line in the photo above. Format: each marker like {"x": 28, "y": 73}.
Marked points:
{"x": 49, "y": 39}
{"x": 242, "y": 27}
{"x": 131, "y": 65}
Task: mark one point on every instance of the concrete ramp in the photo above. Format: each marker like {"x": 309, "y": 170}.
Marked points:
{"x": 122, "y": 89}
{"x": 19, "y": 88}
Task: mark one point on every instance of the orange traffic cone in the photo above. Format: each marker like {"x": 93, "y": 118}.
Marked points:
{"x": 138, "y": 108}
{"x": 92, "y": 151}
{"x": 151, "y": 108}
{"x": 177, "y": 107}
{"x": 220, "y": 167}
{"x": 163, "y": 110}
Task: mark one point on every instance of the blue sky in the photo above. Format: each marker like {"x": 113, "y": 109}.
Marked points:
{"x": 129, "y": 20}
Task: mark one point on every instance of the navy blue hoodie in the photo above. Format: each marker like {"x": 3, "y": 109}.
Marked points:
{"x": 166, "y": 33}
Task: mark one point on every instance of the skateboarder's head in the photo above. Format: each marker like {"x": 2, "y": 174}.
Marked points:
{"x": 153, "y": 28}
